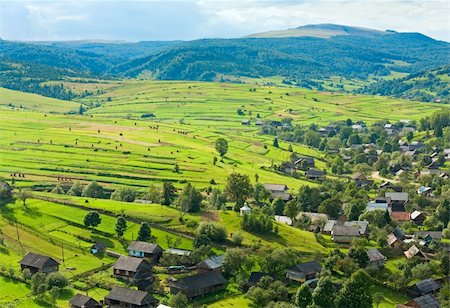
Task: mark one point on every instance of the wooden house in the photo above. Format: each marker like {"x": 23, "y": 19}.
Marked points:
{"x": 425, "y": 301}
{"x": 361, "y": 180}
{"x": 413, "y": 251}
{"x": 141, "y": 249}
{"x": 132, "y": 269}
{"x": 314, "y": 174}
{"x": 214, "y": 263}
{"x": 98, "y": 248}
{"x": 124, "y": 297}
{"x": 304, "y": 271}
{"x": 424, "y": 287}
{"x": 376, "y": 258}
{"x": 39, "y": 263}
{"x": 278, "y": 191}
{"x": 83, "y": 301}
{"x": 199, "y": 284}
{"x": 418, "y": 217}
{"x": 344, "y": 234}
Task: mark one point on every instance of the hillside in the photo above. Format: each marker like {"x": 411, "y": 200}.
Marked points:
{"x": 427, "y": 86}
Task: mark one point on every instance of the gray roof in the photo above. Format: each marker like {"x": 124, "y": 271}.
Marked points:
{"x": 329, "y": 226}
{"x": 80, "y": 300}
{"x": 399, "y": 233}
{"x": 144, "y": 247}
{"x": 307, "y": 268}
{"x": 437, "y": 235}
{"x": 179, "y": 252}
{"x": 199, "y": 281}
{"x": 427, "y": 301}
{"x": 375, "y": 255}
{"x": 276, "y": 187}
{"x": 135, "y": 297}
{"x": 345, "y": 230}
{"x": 38, "y": 261}
{"x": 362, "y": 226}
{"x": 427, "y": 286}
{"x": 213, "y": 262}
{"x": 130, "y": 264}
{"x": 397, "y": 196}
{"x": 282, "y": 195}
{"x": 315, "y": 172}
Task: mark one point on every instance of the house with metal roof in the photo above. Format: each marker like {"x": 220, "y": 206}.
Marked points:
{"x": 141, "y": 249}
{"x": 418, "y": 217}
{"x": 131, "y": 268}
{"x": 376, "y": 258}
{"x": 124, "y": 297}
{"x": 425, "y": 301}
{"x": 424, "y": 287}
{"x": 304, "y": 271}
{"x": 39, "y": 263}
{"x": 344, "y": 234}
{"x": 374, "y": 206}
{"x": 178, "y": 252}
{"x": 214, "y": 263}
{"x": 199, "y": 284}
{"x": 83, "y": 301}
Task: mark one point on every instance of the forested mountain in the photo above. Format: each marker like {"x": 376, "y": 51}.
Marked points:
{"x": 314, "y": 52}
{"x": 428, "y": 86}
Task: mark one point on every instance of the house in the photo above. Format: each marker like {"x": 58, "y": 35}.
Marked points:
{"x": 313, "y": 228}
{"x": 98, "y": 248}
{"x": 396, "y": 238}
{"x": 389, "y": 185}
{"x": 283, "y": 219}
{"x": 245, "y": 209}
{"x": 178, "y": 252}
{"x": 255, "y": 277}
{"x": 315, "y": 174}
{"x": 415, "y": 145}
{"x": 145, "y": 250}
{"x": 259, "y": 123}
{"x": 304, "y": 271}
{"x": 124, "y": 297}
{"x": 376, "y": 258}
{"x": 424, "y": 287}
{"x": 214, "y": 263}
{"x": 425, "y": 237}
{"x": 83, "y": 301}
{"x": 400, "y": 216}
{"x": 418, "y": 217}
{"x": 37, "y": 263}
{"x": 361, "y": 180}
{"x": 278, "y": 191}
{"x": 424, "y": 191}
{"x": 199, "y": 284}
{"x": 447, "y": 154}
{"x": 425, "y": 301}
{"x": 308, "y": 161}
{"x": 246, "y": 122}
{"x": 131, "y": 268}
{"x": 434, "y": 164}
{"x": 315, "y": 217}
{"x": 287, "y": 167}
{"x": 344, "y": 234}
{"x": 414, "y": 251}
{"x": 397, "y": 197}
{"x": 362, "y": 226}
{"x": 377, "y": 206}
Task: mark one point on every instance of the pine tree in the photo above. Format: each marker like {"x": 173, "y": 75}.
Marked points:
{"x": 144, "y": 233}
{"x": 121, "y": 226}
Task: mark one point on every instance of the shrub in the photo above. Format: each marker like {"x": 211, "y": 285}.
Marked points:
{"x": 214, "y": 231}
{"x": 124, "y": 194}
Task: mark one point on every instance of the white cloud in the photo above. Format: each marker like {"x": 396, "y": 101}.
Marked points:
{"x": 147, "y": 20}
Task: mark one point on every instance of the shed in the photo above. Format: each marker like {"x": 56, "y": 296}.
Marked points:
{"x": 214, "y": 263}
{"x": 418, "y": 217}
{"x": 244, "y": 209}
{"x": 124, "y": 297}
{"x": 142, "y": 249}
{"x": 83, "y": 301}
{"x": 315, "y": 174}
{"x": 199, "y": 284}
{"x": 98, "y": 247}
{"x": 304, "y": 271}
{"x": 344, "y": 234}
{"x": 400, "y": 216}
{"x": 424, "y": 287}
{"x": 39, "y": 263}
{"x": 131, "y": 268}
{"x": 414, "y": 251}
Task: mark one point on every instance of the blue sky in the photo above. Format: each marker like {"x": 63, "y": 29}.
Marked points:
{"x": 190, "y": 19}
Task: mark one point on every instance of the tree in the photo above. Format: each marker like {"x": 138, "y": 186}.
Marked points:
{"x": 38, "y": 283}
{"x": 201, "y": 240}
{"x": 5, "y": 191}
{"x": 168, "y": 193}
{"x": 92, "y": 219}
{"x": 237, "y": 261}
{"x": 303, "y": 297}
{"x": 331, "y": 207}
{"x": 121, "y": 226}
{"x": 278, "y": 206}
{"x": 312, "y": 138}
{"x": 54, "y": 293}
{"x": 56, "y": 280}
{"x": 214, "y": 231}
{"x": 359, "y": 254}
{"x": 57, "y": 190}
{"x": 238, "y": 188}
{"x": 323, "y": 295}
{"x": 222, "y": 146}
{"x": 23, "y": 195}
{"x": 356, "y": 291}
{"x": 291, "y": 210}
{"x": 377, "y": 298}
{"x": 125, "y": 194}
{"x": 153, "y": 194}
{"x": 445, "y": 263}
{"x": 217, "y": 199}
{"x": 444, "y": 295}
{"x": 409, "y": 136}
{"x": 260, "y": 194}
{"x": 190, "y": 199}
{"x": 275, "y": 142}
{"x": 93, "y": 190}
{"x": 76, "y": 189}
{"x": 144, "y": 233}
{"x": 178, "y": 300}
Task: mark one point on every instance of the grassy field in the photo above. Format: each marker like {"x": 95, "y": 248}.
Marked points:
{"x": 113, "y": 144}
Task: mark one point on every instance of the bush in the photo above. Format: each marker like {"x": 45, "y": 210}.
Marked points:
{"x": 56, "y": 280}
{"x": 124, "y": 194}
{"x": 214, "y": 231}
{"x": 258, "y": 222}
{"x": 191, "y": 224}
{"x": 237, "y": 239}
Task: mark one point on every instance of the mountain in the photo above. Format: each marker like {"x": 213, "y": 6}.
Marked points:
{"x": 427, "y": 86}
{"x": 322, "y": 31}
{"x": 308, "y": 53}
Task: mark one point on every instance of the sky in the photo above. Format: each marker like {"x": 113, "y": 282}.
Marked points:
{"x": 193, "y": 19}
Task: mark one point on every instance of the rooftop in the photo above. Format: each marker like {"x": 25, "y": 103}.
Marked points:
{"x": 37, "y": 260}
{"x": 144, "y": 247}
{"x": 135, "y": 297}
{"x": 199, "y": 281}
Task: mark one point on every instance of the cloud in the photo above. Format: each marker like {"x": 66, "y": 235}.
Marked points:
{"x": 168, "y": 20}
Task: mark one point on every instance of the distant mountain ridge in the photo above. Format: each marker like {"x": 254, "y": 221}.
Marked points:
{"x": 306, "y": 53}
